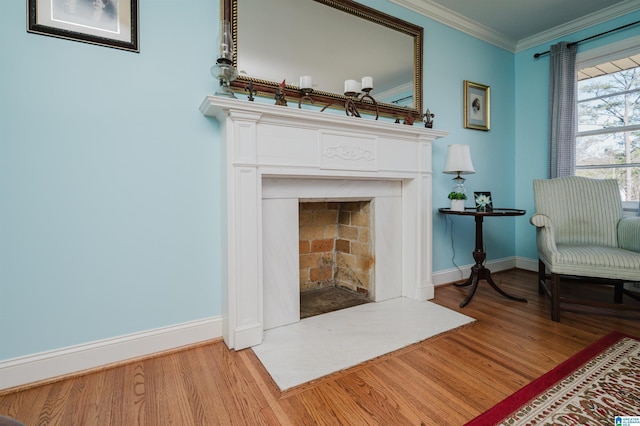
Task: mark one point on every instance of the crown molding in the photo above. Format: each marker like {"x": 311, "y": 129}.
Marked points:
{"x": 462, "y": 23}
{"x": 459, "y": 22}
{"x": 583, "y": 23}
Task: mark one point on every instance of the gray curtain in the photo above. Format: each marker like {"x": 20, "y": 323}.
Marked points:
{"x": 562, "y": 110}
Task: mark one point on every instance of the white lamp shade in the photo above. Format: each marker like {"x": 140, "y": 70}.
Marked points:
{"x": 458, "y": 160}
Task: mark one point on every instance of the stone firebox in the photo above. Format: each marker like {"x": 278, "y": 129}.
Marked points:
{"x": 336, "y": 246}
{"x": 276, "y": 156}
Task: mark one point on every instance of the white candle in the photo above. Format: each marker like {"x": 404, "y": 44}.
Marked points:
{"x": 305, "y": 82}
{"x": 351, "y": 86}
{"x": 367, "y": 82}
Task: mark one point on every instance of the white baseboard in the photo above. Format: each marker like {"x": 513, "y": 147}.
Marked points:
{"x": 527, "y": 264}
{"x": 46, "y": 365}
{"x": 450, "y": 275}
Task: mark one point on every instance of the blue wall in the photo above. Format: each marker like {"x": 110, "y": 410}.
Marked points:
{"x": 109, "y": 184}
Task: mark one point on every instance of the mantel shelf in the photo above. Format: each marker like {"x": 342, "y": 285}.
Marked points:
{"x": 218, "y": 107}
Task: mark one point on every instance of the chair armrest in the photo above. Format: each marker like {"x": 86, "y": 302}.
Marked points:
{"x": 540, "y": 220}
{"x": 545, "y": 233}
{"x": 629, "y": 234}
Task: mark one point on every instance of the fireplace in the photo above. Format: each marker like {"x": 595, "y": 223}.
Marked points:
{"x": 336, "y": 246}
{"x": 278, "y": 157}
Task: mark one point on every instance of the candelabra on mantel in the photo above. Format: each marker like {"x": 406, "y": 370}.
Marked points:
{"x": 357, "y": 92}
{"x": 306, "y": 90}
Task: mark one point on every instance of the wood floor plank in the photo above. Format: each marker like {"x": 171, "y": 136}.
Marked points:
{"x": 133, "y": 395}
{"x": 377, "y": 399}
{"x": 412, "y": 393}
{"x": 446, "y": 380}
{"x": 335, "y": 406}
{"x": 274, "y": 414}
{"x": 56, "y": 403}
{"x": 391, "y": 399}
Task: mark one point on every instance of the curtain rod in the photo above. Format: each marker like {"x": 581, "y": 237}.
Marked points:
{"x": 537, "y": 55}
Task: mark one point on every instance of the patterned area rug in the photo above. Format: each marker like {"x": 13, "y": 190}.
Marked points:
{"x": 593, "y": 387}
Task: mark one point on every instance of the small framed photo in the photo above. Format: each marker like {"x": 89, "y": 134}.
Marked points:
{"x": 111, "y": 23}
{"x": 483, "y": 200}
{"x": 477, "y": 114}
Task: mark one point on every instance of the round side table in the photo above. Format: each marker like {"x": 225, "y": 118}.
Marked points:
{"x": 479, "y": 271}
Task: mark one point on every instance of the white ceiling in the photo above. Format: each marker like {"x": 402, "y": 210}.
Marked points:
{"x": 520, "y": 24}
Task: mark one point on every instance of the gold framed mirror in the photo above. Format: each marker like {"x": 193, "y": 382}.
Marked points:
{"x": 331, "y": 41}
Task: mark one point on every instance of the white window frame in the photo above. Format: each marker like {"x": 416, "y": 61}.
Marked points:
{"x": 611, "y": 52}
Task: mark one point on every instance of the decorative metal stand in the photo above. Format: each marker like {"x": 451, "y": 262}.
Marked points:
{"x": 428, "y": 119}
{"x": 366, "y": 95}
{"x": 249, "y": 88}
{"x": 306, "y": 96}
{"x": 350, "y": 107}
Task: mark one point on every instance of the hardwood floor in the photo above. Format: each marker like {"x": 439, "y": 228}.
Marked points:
{"x": 446, "y": 380}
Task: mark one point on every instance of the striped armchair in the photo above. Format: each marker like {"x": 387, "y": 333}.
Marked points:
{"x": 581, "y": 232}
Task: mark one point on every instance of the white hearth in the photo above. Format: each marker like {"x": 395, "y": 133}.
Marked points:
{"x": 276, "y": 156}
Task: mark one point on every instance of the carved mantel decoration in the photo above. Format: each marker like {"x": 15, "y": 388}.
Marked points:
{"x": 348, "y": 153}
{"x": 274, "y": 157}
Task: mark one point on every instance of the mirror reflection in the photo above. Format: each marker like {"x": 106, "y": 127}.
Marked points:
{"x": 282, "y": 40}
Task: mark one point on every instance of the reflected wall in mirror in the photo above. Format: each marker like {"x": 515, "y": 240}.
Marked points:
{"x": 331, "y": 41}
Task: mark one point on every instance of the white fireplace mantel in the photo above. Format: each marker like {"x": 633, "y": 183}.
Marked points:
{"x": 267, "y": 143}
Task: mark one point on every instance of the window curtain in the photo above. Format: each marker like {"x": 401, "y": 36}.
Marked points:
{"x": 562, "y": 110}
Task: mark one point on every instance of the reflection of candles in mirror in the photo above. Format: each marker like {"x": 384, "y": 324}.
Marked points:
{"x": 351, "y": 86}
{"x": 367, "y": 82}
{"x": 305, "y": 82}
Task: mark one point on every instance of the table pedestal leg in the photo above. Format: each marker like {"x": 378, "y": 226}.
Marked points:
{"x": 479, "y": 272}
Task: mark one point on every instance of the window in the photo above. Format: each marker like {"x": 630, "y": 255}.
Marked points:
{"x": 608, "y": 138}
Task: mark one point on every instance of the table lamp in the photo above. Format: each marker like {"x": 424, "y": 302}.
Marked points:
{"x": 458, "y": 163}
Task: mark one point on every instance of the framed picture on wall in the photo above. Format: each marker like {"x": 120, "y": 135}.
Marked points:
{"x": 477, "y": 114}
{"x": 111, "y": 23}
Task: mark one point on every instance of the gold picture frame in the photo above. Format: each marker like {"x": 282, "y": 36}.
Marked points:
{"x": 477, "y": 106}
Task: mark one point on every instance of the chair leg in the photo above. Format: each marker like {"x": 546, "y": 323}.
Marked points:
{"x": 618, "y": 292}
{"x": 541, "y": 276}
{"x": 555, "y": 297}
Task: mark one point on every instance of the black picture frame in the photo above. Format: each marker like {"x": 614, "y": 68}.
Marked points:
{"x": 480, "y": 197}
{"x": 110, "y": 23}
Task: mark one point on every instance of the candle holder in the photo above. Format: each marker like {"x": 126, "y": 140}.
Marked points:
{"x": 367, "y": 95}
{"x": 350, "y": 104}
{"x": 306, "y": 96}
{"x": 353, "y": 97}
